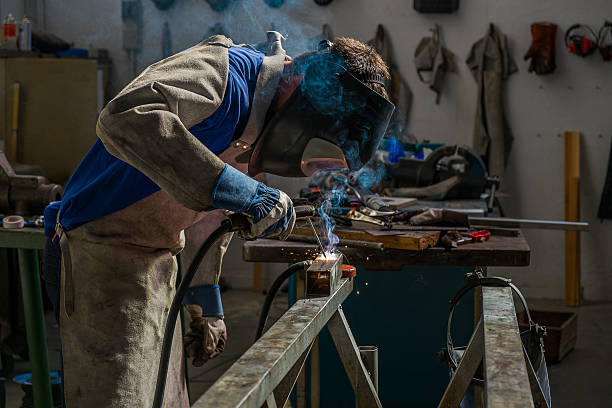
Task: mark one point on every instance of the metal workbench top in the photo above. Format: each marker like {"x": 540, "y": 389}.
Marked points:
{"x": 497, "y": 251}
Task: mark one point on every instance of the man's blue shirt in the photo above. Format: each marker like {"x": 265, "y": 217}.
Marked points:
{"x": 103, "y": 184}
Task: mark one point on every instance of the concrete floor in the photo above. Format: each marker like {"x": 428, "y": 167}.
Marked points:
{"x": 582, "y": 379}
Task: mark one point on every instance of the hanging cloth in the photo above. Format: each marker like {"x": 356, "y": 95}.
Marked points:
{"x": 432, "y": 56}
{"x": 605, "y": 205}
{"x": 397, "y": 88}
{"x": 491, "y": 63}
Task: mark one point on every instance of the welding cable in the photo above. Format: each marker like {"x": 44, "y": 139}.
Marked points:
{"x": 272, "y": 293}
{"x": 162, "y": 372}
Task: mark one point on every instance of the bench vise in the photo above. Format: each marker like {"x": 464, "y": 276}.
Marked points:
{"x": 23, "y": 194}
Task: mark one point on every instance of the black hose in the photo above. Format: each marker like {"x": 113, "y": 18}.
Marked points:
{"x": 272, "y": 293}
{"x": 162, "y": 372}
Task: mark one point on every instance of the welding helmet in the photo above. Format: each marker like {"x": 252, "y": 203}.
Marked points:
{"x": 331, "y": 120}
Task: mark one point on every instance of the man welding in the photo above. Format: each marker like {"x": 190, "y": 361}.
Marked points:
{"x": 177, "y": 146}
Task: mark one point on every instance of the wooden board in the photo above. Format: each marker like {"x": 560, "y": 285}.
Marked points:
{"x": 572, "y": 213}
{"x": 412, "y": 240}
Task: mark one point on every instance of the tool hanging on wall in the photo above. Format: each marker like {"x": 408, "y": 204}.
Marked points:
{"x": 581, "y": 40}
{"x": 433, "y": 57}
{"x": 604, "y": 41}
{"x": 542, "y": 50}
{"x": 436, "y": 6}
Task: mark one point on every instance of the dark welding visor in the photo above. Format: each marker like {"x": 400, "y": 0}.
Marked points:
{"x": 331, "y": 120}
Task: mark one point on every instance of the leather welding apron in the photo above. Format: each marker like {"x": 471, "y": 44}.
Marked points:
{"x": 119, "y": 277}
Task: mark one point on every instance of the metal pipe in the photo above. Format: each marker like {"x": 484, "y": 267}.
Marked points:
{"x": 369, "y": 356}
{"x": 524, "y": 223}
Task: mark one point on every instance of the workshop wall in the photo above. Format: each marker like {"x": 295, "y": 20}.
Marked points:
{"x": 539, "y": 109}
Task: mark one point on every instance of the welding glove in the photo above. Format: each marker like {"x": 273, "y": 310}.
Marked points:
{"x": 542, "y": 49}
{"x": 207, "y": 335}
{"x": 205, "y": 338}
{"x": 269, "y": 211}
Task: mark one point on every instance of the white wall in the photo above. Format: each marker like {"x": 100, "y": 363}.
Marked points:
{"x": 576, "y": 97}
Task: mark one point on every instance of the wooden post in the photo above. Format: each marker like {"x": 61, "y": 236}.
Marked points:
{"x": 572, "y": 213}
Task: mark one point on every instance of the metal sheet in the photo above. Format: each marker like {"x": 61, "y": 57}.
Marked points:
{"x": 255, "y": 375}
{"x": 506, "y": 378}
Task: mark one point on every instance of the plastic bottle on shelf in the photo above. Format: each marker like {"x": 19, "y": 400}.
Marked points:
{"x": 10, "y": 33}
{"x": 25, "y": 35}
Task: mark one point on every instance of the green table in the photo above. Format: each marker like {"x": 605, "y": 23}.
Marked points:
{"x": 28, "y": 241}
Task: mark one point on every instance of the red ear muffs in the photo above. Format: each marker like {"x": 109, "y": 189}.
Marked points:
{"x": 581, "y": 40}
{"x": 604, "y": 41}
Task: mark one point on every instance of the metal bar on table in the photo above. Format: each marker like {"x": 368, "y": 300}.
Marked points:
{"x": 35, "y": 327}
{"x": 365, "y": 393}
{"x": 471, "y": 359}
{"x": 506, "y": 378}
{"x": 527, "y": 224}
{"x": 254, "y": 376}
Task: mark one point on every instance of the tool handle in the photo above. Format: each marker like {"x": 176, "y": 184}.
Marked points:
{"x": 304, "y": 211}
{"x": 241, "y": 222}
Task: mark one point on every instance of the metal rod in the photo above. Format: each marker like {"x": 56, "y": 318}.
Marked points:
{"x": 342, "y": 242}
{"x": 317, "y": 236}
{"x": 534, "y": 224}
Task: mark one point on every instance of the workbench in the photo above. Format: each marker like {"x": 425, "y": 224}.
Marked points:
{"x": 28, "y": 241}
{"x": 400, "y": 304}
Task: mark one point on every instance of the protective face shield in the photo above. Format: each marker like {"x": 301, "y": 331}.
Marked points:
{"x": 331, "y": 120}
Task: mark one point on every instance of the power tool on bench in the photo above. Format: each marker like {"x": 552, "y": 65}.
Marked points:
{"x": 450, "y": 171}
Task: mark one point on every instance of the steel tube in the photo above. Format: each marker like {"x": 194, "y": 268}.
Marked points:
{"x": 527, "y": 224}
{"x": 369, "y": 356}
{"x": 35, "y": 327}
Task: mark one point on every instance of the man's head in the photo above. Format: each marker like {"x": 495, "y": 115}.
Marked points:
{"x": 331, "y": 111}
{"x": 361, "y": 60}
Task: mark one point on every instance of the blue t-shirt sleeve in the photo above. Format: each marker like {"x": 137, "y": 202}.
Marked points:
{"x": 229, "y": 120}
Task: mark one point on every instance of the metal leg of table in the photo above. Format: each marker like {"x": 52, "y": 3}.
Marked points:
{"x": 35, "y": 327}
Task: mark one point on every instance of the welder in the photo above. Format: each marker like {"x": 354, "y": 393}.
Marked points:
{"x": 177, "y": 146}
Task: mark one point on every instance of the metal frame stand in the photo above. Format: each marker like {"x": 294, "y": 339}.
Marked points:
{"x": 267, "y": 372}
{"x": 510, "y": 379}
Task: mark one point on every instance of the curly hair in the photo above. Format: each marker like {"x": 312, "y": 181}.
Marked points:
{"x": 362, "y": 60}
